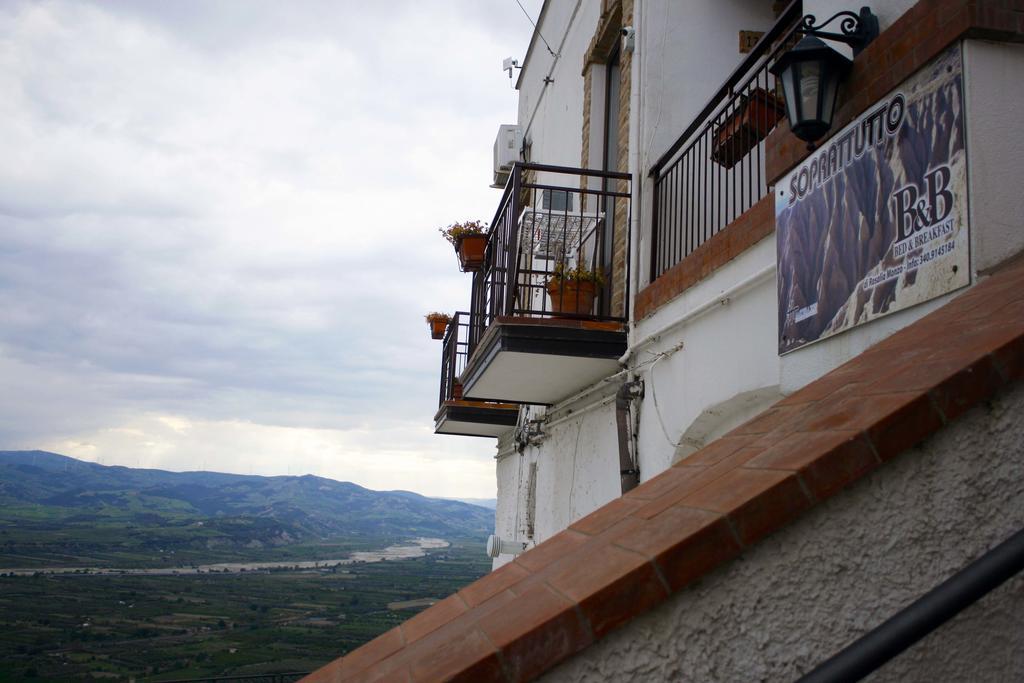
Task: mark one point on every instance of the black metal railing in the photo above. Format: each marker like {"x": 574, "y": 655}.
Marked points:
{"x": 454, "y": 353}
{"x": 715, "y": 169}
{"x": 556, "y": 225}
{"x": 924, "y": 615}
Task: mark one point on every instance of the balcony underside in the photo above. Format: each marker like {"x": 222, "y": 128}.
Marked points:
{"x": 542, "y": 360}
{"x": 475, "y": 418}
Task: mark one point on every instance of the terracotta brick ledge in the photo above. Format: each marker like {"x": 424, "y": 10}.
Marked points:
{"x": 630, "y": 555}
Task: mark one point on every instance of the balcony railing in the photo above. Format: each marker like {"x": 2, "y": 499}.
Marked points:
{"x": 454, "y": 353}
{"x": 457, "y": 414}
{"x": 553, "y": 219}
{"x": 715, "y": 170}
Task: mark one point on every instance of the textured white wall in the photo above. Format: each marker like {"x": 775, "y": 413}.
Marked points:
{"x": 730, "y": 350}
{"x": 556, "y": 131}
{"x": 995, "y": 150}
{"x": 687, "y": 50}
{"x": 555, "y": 134}
{"x": 508, "y": 468}
{"x": 578, "y": 470}
{"x": 802, "y": 594}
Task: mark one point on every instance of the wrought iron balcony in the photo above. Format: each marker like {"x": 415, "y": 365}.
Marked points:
{"x": 455, "y": 414}
{"x": 550, "y": 304}
{"x": 715, "y": 169}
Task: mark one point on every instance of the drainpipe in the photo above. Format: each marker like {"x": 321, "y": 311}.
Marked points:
{"x": 633, "y": 163}
{"x": 629, "y": 471}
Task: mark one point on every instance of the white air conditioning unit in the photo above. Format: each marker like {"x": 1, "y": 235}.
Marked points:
{"x": 506, "y": 152}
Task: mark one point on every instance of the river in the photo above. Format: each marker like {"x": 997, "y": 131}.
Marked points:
{"x": 418, "y": 548}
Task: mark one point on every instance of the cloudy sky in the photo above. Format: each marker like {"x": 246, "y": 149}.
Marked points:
{"x": 218, "y": 229}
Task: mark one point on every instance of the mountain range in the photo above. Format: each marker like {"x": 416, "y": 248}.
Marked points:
{"x": 51, "y": 492}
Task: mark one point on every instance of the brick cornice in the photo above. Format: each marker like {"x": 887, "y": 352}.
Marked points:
{"x": 921, "y": 33}
{"x": 605, "y": 37}
{"x": 632, "y": 554}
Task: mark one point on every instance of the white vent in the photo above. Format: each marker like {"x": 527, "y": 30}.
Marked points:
{"x": 506, "y": 152}
{"x": 503, "y": 546}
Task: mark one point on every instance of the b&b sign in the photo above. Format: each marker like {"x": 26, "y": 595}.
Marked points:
{"x": 875, "y": 220}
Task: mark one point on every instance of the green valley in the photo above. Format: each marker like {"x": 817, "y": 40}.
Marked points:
{"x": 85, "y": 541}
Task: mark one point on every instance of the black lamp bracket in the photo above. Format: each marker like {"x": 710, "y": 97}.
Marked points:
{"x": 856, "y": 30}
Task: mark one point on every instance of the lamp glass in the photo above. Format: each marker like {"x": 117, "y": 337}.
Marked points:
{"x": 809, "y": 79}
{"x": 810, "y": 74}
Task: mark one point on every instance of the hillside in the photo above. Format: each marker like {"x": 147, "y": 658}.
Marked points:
{"x": 54, "y": 505}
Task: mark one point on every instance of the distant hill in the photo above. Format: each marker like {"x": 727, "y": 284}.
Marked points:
{"x": 50, "y": 491}
{"x": 489, "y": 503}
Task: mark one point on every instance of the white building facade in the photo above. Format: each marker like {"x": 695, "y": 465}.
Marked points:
{"x": 646, "y": 159}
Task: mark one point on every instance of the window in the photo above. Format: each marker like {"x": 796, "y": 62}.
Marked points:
{"x": 557, "y": 200}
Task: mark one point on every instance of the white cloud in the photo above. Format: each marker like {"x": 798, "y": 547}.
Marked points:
{"x": 391, "y": 460}
{"x": 217, "y": 229}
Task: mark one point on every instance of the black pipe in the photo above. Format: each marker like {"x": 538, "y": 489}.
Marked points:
{"x": 629, "y": 473}
{"x": 925, "y": 615}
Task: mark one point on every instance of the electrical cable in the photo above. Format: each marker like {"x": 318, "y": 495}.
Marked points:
{"x": 654, "y": 396}
{"x": 539, "y": 34}
{"x": 554, "y": 62}
{"x": 519, "y": 487}
{"x": 661, "y": 60}
{"x": 572, "y": 479}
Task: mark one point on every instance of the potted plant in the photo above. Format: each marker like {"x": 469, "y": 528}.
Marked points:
{"x": 470, "y": 242}
{"x": 754, "y": 117}
{"x": 438, "y": 324}
{"x": 573, "y": 290}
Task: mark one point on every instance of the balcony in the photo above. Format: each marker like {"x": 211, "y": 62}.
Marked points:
{"x": 456, "y": 415}
{"x": 549, "y": 306}
{"x": 715, "y": 170}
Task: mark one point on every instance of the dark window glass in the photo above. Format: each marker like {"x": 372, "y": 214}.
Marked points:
{"x": 557, "y": 200}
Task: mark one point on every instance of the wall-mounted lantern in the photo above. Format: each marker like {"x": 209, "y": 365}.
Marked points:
{"x": 810, "y": 73}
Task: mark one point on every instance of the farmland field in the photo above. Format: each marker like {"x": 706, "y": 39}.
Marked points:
{"x": 66, "y": 626}
{"x": 121, "y": 573}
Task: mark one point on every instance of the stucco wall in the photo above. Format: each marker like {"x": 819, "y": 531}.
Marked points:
{"x": 727, "y": 351}
{"x": 995, "y": 150}
{"x": 686, "y": 51}
{"x": 508, "y": 472}
{"x": 802, "y": 594}
{"x": 577, "y": 470}
{"x": 551, "y": 114}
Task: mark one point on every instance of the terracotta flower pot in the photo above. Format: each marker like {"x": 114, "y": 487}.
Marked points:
{"x": 457, "y": 391}
{"x": 437, "y": 328}
{"x": 750, "y": 123}
{"x": 572, "y": 296}
{"x": 471, "y": 250}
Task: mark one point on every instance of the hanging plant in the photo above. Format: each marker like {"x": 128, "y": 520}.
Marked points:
{"x": 470, "y": 241}
{"x": 438, "y": 324}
